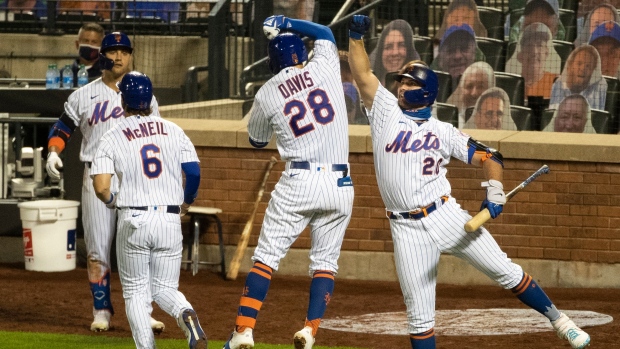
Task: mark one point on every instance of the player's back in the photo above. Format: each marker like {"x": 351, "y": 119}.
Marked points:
{"x": 148, "y": 156}
{"x": 306, "y": 109}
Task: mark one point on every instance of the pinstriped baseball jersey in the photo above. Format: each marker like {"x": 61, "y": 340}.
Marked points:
{"x": 95, "y": 108}
{"x": 410, "y": 159}
{"x": 306, "y": 109}
{"x": 146, "y": 154}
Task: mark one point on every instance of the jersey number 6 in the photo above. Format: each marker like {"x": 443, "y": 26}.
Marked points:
{"x": 151, "y": 165}
{"x": 321, "y": 109}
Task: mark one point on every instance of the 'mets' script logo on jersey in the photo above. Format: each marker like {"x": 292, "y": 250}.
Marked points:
{"x": 99, "y": 113}
{"x": 403, "y": 143}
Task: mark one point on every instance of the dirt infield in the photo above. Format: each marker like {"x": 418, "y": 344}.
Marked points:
{"x": 61, "y": 302}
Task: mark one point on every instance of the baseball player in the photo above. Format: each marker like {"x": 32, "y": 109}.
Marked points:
{"x": 96, "y": 108}
{"x": 411, "y": 151}
{"x": 147, "y": 154}
{"x": 303, "y": 104}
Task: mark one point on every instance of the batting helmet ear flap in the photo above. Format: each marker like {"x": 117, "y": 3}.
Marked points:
{"x": 426, "y": 78}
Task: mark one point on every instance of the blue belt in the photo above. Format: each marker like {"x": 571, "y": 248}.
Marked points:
{"x": 305, "y": 165}
{"x": 169, "y": 209}
{"x": 417, "y": 213}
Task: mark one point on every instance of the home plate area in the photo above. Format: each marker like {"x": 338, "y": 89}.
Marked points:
{"x": 476, "y": 322}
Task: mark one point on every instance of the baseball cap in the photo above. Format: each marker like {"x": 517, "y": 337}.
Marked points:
{"x": 535, "y": 31}
{"x": 607, "y": 29}
{"x": 463, "y": 28}
{"x": 549, "y": 4}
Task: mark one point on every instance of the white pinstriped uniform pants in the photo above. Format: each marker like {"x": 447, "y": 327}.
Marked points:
{"x": 418, "y": 245}
{"x": 302, "y": 198}
{"x": 98, "y": 221}
{"x": 149, "y": 248}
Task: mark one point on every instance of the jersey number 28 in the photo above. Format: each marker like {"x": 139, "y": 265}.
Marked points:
{"x": 151, "y": 165}
{"x": 322, "y": 111}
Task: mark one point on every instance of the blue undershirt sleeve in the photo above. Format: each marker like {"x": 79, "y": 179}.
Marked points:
{"x": 192, "y": 181}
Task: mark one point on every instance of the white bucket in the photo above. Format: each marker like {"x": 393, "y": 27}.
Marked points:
{"x": 49, "y": 234}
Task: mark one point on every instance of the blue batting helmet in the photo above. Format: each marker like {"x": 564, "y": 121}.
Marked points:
{"x": 286, "y": 50}
{"x": 136, "y": 90}
{"x": 113, "y": 40}
{"x": 426, "y": 78}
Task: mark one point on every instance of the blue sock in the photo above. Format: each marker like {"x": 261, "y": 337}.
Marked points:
{"x": 254, "y": 293}
{"x": 534, "y": 297}
{"x": 321, "y": 290}
{"x": 101, "y": 294}
{"x": 424, "y": 340}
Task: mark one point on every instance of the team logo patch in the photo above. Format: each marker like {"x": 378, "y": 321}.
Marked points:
{"x": 295, "y": 59}
{"x": 28, "y": 250}
{"x": 117, "y": 37}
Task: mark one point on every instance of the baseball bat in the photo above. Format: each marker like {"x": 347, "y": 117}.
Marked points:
{"x": 233, "y": 269}
{"x": 484, "y": 215}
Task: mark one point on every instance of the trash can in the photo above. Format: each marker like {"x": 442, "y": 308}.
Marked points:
{"x": 48, "y": 228}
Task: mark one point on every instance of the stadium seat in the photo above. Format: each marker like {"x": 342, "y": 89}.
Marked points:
{"x": 567, "y": 17}
{"x": 547, "y": 115}
{"x": 514, "y": 85}
{"x": 601, "y": 121}
{"x": 522, "y": 116}
{"x": 142, "y": 25}
{"x": 23, "y": 23}
{"x": 612, "y": 101}
{"x": 448, "y": 113}
{"x": 445, "y": 86}
{"x": 563, "y": 48}
{"x": 494, "y": 50}
{"x": 371, "y": 43}
{"x": 468, "y": 113}
{"x": 71, "y": 22}
{"x": 195, "y": 26}
{"x": 493, "y": 20}
{"x": 424, "y": 46}
{"x": 569, "y": 20}
{"x": 569, "y": 4}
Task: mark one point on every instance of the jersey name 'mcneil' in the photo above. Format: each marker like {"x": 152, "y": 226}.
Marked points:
{"x": 295, "y": 84}
{"x": 146, "y": 129}
{"x": 402, "y": 140}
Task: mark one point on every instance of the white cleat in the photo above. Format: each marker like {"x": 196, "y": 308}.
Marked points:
{"x": 566, "y": 329}
{"x": 157, "y": 326}
{"x": 304, "y": 339}
{"x": 240, "y": 340}
{"x": 101, "y": 321}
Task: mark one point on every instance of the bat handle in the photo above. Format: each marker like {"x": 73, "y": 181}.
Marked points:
{"x": 477, "y": 221}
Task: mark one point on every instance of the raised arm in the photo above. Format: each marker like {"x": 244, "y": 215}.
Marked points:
{"x": 367, "y": 82}
{"x": 274, "y": 24}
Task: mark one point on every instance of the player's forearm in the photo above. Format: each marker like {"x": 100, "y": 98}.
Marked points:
{"x": 54, "y": 149}
{"x": 493, "y": 170}
{"x": 101, "y": 184}
{"x": 312, "y": 30}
